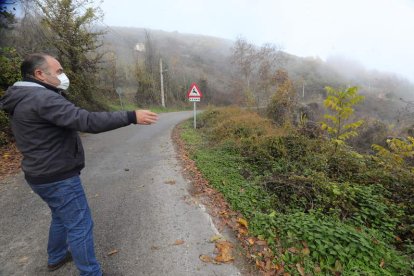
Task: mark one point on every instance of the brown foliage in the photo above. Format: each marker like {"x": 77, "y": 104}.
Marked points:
{"x": 10, "y": 159}
{"x": 283, "y": 102}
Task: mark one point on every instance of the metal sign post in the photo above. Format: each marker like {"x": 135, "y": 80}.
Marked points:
{"x": 195, "y": 114}
{"x": 194, "y": 95}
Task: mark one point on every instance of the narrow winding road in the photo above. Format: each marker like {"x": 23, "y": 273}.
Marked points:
{"x": 139, "y": 201}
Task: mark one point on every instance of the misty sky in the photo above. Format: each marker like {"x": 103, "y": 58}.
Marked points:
{"x": 377, "y": 33}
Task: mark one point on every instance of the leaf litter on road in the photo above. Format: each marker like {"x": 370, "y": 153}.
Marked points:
{"x": 224, "y": 252}
{"x": 112, "y": 252}
{"x": 23, "y": 259}
{"x": 215, "y": 238}
{"x": 178, "y": 242}
{"x": 170, "y": 182}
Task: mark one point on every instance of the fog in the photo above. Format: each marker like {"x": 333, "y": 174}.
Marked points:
{"x": 375, "y": 33}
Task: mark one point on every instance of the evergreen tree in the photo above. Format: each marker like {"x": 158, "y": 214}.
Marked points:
{"x": 71, "y": 23}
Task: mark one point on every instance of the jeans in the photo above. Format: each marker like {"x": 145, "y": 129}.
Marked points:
{"x": 71, "y": 226}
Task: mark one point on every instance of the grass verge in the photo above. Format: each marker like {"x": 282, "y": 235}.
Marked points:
{"x": 317, "y": 222}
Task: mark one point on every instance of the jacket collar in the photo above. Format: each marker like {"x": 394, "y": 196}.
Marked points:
{"x": 27, "y": 81}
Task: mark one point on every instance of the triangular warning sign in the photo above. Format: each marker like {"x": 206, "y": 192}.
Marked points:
{"x": 194, "y": 91}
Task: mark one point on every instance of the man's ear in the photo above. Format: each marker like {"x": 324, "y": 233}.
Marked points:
{"x": 39, "y": 75}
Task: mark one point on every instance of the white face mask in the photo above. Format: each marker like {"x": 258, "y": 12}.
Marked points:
{"x": 64, "y": 81}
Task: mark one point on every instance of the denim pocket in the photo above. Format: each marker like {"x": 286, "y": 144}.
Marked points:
{"x": 52, "y": 195}
{"x": 57, "y": 193}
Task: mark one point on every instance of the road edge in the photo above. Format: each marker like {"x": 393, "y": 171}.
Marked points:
{"x": 216, "y": 206}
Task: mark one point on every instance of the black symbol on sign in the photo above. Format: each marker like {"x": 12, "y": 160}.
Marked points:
{"x": 194, "y": 91}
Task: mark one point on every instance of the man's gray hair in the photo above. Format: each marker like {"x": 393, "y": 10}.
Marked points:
{"x": 33, "y": 62}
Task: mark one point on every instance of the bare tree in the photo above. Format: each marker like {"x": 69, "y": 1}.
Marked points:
{"x": 268, "y": 59}
{"x": 147, "y": 74}
{"x": 244, "y": 57}
{"x": 257, "y": 67}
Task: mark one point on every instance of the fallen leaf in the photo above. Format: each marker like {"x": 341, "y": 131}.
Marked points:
{"x": 305, "y": 251}
{"x": 317, "y": 269}
{"x": 215, "y": 238}
{"x": 250, "y": 241}
{"x": 242, "y": 231}
{"x": 338, "y": 266}
{"x": 242, "y": 222}
{"x": 224, "y": 252}
{"x": 23, "y": 259}
{"x": 279, "y": 268}
{"x": 382, "y": 263}
{"x": 286, "y": 274}
{"x": 112, "y": 252}
{"x": 292, "y": 250}
{"x": 205, "y": 258}
{"x": 155, "y": 247}
{"x": 178, "y": 242}
{"x": 260, "y": 264}
{"x": 268, "y": 265}
{"x": 300, "y": 269}
{"x": 259, "y": 242}
{"x": 268, "y": 253}
{"x": 170, "y": 182}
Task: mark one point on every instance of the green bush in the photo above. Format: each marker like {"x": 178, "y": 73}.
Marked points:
{"x": 9, "y": 73}
{"x": 334, "y": 246}
{"x": 9, "y": 67}
{"x": 353, "y": 211}
{"x": 5, "y": 132}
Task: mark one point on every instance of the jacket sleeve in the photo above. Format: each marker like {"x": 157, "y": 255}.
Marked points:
{"x": 61, "y": 112}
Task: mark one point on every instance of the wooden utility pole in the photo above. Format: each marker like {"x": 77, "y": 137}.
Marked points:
{"x": 303, "y": 89}
{"x": 162, "y": 85}
{"x": 119, "y": 92}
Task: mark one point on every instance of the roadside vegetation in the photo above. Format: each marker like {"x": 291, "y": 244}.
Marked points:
{"x": 323, "y": 207}
{"x": 331, "y": 192}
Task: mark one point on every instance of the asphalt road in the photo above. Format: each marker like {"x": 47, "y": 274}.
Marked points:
{"x": 140, "y": 204}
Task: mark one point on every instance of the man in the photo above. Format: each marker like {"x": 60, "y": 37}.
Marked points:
{"x": 45, "y": 127}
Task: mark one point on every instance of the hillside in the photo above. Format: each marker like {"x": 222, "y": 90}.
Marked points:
{"x": 190, "y": 57}
{"x": 187, "y": 57}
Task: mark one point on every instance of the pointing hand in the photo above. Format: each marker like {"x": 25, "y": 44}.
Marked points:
{"x": 146, "y": 117}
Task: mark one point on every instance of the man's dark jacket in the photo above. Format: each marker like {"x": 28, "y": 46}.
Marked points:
{"x": 45, "y": 126}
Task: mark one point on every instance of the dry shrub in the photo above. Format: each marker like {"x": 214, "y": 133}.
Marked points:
{"x": 237, "y": 124}
{"x": 283, "y": 102}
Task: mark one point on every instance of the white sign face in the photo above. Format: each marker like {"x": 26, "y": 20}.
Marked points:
{"x": 194, "y": 92}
